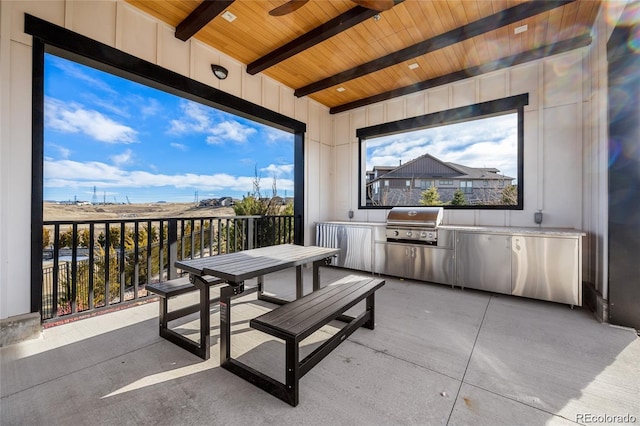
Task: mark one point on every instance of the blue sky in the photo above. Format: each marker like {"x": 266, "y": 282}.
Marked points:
{"x": 486, "y": 142}
{"x": 129, "y": 140}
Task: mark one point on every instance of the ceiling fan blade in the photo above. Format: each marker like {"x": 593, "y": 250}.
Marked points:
{"x": 288, "y": 7}
{"x": 379, "y": 5}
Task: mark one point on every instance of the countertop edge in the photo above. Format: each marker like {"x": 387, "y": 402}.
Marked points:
{"x": 533, "y": 230}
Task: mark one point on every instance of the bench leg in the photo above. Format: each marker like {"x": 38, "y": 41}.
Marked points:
{"x": 226, "y": 293}
{"x": 299, "y": 283}
{"x": 225, "y": 323}
{"x": 163, "y": 314}
{"x": 205, "y": 323}
{"x": 201, "y": 349}
{"x": 292, "y": 375}
{"x": 260, "y": 286}
{"x": 370, "y": 308}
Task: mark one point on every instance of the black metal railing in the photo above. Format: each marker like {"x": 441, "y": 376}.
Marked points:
{"x": 92, "y": 265}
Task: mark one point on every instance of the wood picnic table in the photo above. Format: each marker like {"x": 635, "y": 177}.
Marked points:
{"x": 235, "y": 269}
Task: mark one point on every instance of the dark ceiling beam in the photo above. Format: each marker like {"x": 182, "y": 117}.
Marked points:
{"x": 201, "y": 16}
{"x": 319, "y": 34}
{"x": 520, "y": 58}
{"x": 457, "y": 35}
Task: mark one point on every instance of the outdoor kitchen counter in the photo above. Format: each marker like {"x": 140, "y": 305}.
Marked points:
{"x": 536, "y": 262}
{"x": 348, "y": 222}
{"x": 517, "y": 230}
{"x": 511, "y": 230}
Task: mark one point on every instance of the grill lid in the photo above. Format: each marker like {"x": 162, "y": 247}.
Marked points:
{"x": 425, "y": 217}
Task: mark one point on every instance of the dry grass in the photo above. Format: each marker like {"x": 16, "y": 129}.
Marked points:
{"x": 61, "y": 212}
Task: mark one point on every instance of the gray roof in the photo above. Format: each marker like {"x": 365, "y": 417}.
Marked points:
{"x": 480, "y": 172}
{"x": 428, "y": 167}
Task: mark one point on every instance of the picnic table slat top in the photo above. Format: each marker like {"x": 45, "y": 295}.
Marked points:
{"x": 242, "y": 265}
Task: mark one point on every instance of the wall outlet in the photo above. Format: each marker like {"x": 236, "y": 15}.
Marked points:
{"x": 537, "y": 217}
{"x": 350, "y": 214}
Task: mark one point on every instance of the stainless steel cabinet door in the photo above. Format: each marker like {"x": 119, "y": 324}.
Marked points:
{"x": 483, "y": 261}
{"x": 397, "y": 260}
{"x": 546, "y": 268}
{"x": 355, "y": 244}
{"x": 433, "y": 264}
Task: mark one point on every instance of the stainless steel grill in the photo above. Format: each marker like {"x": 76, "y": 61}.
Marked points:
{"x": 414, "y": 224}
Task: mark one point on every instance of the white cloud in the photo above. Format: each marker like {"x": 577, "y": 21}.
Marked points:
{"x": 149, "y": 107}
{"x": 180, "y": 146}
{"x": 121, "y": 159}
{"x": 62, "y": 151}
{"x": 201, "y": 119}
{"x": 196, "y": 119}
{"x": 73, "y": 174}
{"x": 72, "y": 118}
{"x": 76, "y": 72}
{"x": 278, "y": 170}
{"x": 274, "y": 136}
{"x": 230, "y": 131}
{"x": 108, "y": 104}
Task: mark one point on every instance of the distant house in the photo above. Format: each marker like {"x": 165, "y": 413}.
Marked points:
{"x": 404, "y": 184}
{"x": 216, "y": 202}
{"x": 209, "y": 202}
{"x": 225, "y": 201}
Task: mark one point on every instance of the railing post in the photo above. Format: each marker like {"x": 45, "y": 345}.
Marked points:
{"x": 74, "y": 269}
{"x": 107, "y": 265}
{"x": 172, "y": 249}
{"x": 250, "y": 233}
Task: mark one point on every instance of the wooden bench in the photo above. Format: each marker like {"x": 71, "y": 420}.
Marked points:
{"x": 299, "y": 319}
{"x": 168, "y": 289}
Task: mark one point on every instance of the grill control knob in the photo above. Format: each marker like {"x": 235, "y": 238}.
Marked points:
{"x": 396, "y": 233}
{"x": 409, "y": 233}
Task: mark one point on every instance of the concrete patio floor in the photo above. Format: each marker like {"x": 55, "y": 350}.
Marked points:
{"x": 438, "y": 356}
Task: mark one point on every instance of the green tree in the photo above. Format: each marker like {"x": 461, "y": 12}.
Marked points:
{"x": 254, "y": 204}
{"x": 510, "y": 195}
{"x": 458, "y": 198}
{"x": 66, "y": 238}
{"x": 114, "y": 237}
{"x": 83, "y": 238}
{"x": 251, "y": 205}
{"x": 46, "y": 237}
{"x": 287, "y": 210}
{"x": 430, "y": 197}
{"x": 101, "y": 239}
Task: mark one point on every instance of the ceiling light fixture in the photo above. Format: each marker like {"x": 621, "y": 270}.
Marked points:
{"x": 219, "y": 71}
{"x": 413, "y": 66}
{"x": 341, "y": 89}
{"x": 376, "y": 17}
{"x": 229, "y": 16}
{"x": 520, "y": 29}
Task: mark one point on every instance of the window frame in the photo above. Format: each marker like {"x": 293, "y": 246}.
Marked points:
{"x": 59, "y": 41}
{"x": 512, "y": 104}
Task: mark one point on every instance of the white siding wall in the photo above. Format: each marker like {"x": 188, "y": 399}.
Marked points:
{"x": 553, "y": 171}
{"x": 120, "y": 25}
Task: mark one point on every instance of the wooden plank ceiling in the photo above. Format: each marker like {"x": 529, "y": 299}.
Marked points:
{"x": 326, "y": 45}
